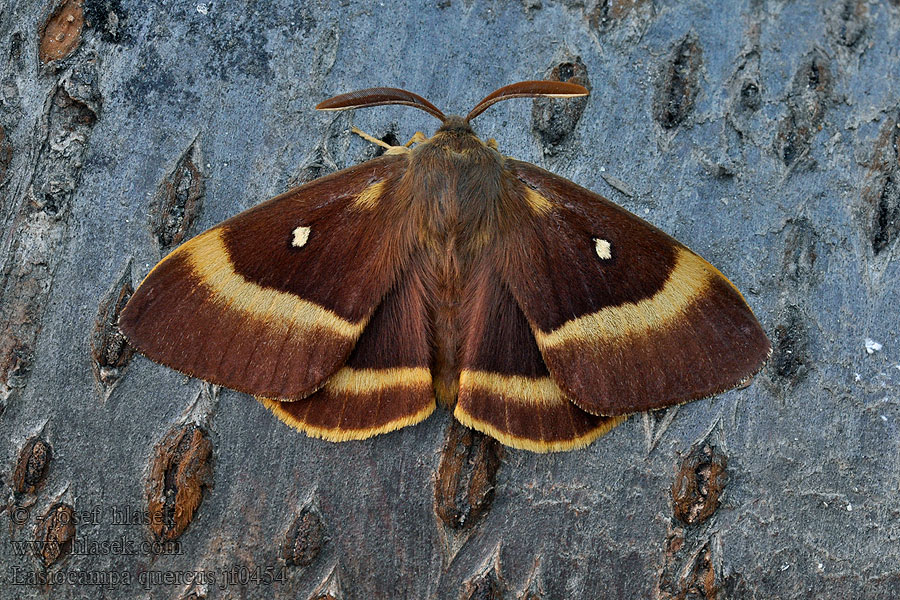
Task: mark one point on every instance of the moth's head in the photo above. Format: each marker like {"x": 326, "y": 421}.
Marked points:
{"x": 457, "y": 125}
{"x": 452, "y": 123}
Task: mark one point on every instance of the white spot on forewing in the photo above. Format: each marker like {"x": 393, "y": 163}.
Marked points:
{"x": 301, "y": 234}
{"x": 603, "y": 248}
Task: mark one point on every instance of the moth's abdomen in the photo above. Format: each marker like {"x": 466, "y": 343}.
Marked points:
{"x": 445, "y": 319}
{"x": 444, "y": 276}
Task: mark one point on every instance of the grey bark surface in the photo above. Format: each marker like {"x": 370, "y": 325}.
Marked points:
{"x": 765, "y": 135}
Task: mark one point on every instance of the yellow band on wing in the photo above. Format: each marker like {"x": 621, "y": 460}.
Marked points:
{"x": 686, "y": 283}
{"x": 536, "y": 445}
{"x": 211, "y": 264}
{"x": 361, "y": 381}
{"x": 527, "y": 390}
{"x": 339, "y": 434}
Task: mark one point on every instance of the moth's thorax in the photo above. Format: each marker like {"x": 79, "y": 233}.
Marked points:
{"x": 454, "y": 181}
{"x": 457, "y": 162}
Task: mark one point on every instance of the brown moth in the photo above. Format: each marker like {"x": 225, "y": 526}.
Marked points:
{"x": 541, "y": 312}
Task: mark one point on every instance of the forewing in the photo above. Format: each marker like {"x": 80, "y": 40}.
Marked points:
{"x": 272, "y": 301}
{"x": 626, "y": 318}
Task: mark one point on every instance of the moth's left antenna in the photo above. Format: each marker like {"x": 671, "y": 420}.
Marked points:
{"x": 378, "y": 97}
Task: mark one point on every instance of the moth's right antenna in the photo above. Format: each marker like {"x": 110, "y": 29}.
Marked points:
{"x": 529, "y": 89}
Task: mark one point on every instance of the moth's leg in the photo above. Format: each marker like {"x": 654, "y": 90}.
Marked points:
{"x": 417, "y": 138}
{"x": 388, "y": 148}
{"x": 371, "y": 138}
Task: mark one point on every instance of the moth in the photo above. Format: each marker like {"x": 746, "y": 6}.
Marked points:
{"x": 444, "y": 272}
